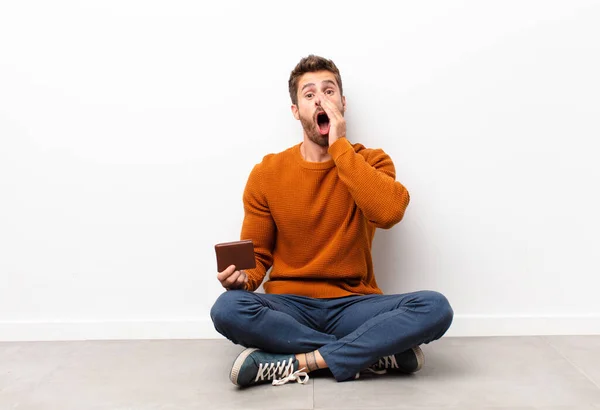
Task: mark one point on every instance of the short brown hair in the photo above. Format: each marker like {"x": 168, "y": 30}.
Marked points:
{"x": 311, "y": 64}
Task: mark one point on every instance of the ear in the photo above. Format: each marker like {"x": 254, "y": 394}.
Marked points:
{"x": 344, "y": 102}
{"x": 295, "y": 111}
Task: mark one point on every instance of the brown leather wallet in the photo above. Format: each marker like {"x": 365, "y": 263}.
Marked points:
{"x": 238, "y": 253}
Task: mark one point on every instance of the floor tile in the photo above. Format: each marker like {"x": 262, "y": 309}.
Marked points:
{"x": 582, "y": 351}
{"x": 459, "y": 373}
{"x": 160, "y": 374}
{"x": 441, "y": 408}
{"x": 581, "y": 407}
{"x": 476, "y": 407}
{"x": 25, "y": 365}
{"x": 470, "y": 373}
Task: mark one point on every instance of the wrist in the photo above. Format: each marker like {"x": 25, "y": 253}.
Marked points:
{"x": 339, "y": 147}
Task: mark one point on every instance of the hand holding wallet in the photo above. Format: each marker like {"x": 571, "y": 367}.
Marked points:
{"x": 238, "y": 253}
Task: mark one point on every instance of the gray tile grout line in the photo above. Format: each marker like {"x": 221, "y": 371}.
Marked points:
{"x": 580, "y": 370}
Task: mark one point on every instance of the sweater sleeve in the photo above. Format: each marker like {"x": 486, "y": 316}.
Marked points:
{"x": 372, "y": 183}
{"x": 259, "y": 226}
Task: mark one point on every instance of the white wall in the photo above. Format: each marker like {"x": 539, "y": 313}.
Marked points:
{"x": 128, "y": 129}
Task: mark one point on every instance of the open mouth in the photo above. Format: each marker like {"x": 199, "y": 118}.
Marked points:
{"x": 323, "y": 123}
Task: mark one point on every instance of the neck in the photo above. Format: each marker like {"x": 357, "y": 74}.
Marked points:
{"x": 312, "y": 152}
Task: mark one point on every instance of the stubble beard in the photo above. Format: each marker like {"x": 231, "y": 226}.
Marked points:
{"x": 312, "y": 132}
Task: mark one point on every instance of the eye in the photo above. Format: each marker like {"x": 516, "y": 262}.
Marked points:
{"x": 309, "y": 95}
{"x": 329, "y": 92}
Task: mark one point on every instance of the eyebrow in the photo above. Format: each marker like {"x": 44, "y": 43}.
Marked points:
{"x": 312, "y": 84}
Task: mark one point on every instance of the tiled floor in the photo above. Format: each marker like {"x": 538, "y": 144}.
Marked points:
{"x": 460, "y": 373}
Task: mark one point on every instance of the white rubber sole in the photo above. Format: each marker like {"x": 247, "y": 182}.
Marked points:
{"x": 239, "y": 361}
{"x": 420, "y": 357}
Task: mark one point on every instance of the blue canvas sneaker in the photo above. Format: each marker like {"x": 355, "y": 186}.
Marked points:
{"x": 253, "y": 366}
{"x": 409, "y": 361}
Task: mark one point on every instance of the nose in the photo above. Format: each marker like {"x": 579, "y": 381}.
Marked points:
{"x": 318, "y": 98}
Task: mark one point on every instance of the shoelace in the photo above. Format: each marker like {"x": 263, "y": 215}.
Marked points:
{"x": 299, "y": 375}
{"x": 369, "y": 370}
{"x": 387, "y": 362}
{"x": 283, "y": 370}
{"x": 384, "y": 363}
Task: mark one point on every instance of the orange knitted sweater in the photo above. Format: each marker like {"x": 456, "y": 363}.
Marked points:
{"x": 314, "y": 222}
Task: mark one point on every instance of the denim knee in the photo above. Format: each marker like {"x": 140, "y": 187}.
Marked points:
{"x": 440, "y": 305}
{"x": 225, "y": 307}
{"x": 444, "y": 310}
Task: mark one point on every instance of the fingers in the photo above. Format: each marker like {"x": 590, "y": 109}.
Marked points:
{"x": 230, "y": 282}
{"x": 232, "y": 279}
{"x": 331, "y": 109}
{"x": 241, "y": 281}
{"x": 221, "y": 276}
{"x": 336, "y": 120}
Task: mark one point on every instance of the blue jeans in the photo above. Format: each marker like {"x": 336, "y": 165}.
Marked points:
{"x": 350, "y": 332}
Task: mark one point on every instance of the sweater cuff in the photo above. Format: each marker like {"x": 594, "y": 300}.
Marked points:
{"x": 339, "y": 147}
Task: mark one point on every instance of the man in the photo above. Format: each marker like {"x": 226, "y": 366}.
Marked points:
{"x": 312, "y": 211}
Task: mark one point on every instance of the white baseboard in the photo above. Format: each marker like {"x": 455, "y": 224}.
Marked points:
{"x": 463, "y": 326}
{"x": 107, "y": 330}
{"x": 488, "y": 325}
